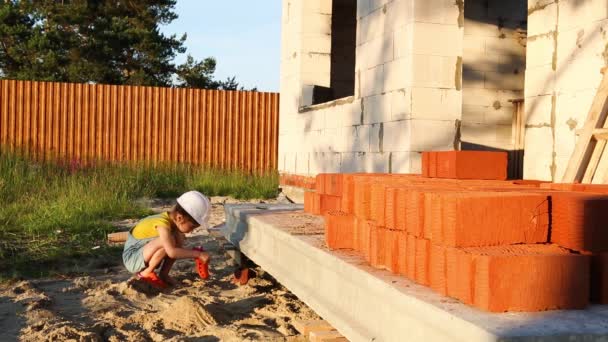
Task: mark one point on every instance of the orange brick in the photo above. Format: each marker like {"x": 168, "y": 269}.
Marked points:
{"x": 555, "y": 278}
{"x": 316, "y": 204}
{"x": 579, "y": 221}
{"x": 378, "y": 247}
{"x": 366, "y": 228}
{"x": 362, "y": 199}
{"x": 333, "y": 184}
{"x": 339, "y": 228}
{"x": 414, "y": 211}
{"x": 423, "y": 249}
{"x": 348, "y": 193}
{"x": 320, "y": 183}
{"x": 410, "y": 260}
{"x": 471, "y": 165}
{"x": 437, "y": 269}
{"x": 377, "y": 203}
{"x": 329, "y": 203}
{"x": 432, "y": 164}
{"x": 402, "y": 253}
{"x": 309, "y": 199}
{"x": 493, "y": 218}
{"x": 459, "y": 274}
{"x": 392, "y": 251}
{"x": 599, "y": 278}
{"x": 425, "y": 164}
{"x": 390, "y": 209}
{"x": 432, "y": 216}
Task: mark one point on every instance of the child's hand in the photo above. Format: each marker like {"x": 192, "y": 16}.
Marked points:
{"x": 204, "y": 257}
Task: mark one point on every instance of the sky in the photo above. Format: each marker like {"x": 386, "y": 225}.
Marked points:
{"x": 244, "y": 36}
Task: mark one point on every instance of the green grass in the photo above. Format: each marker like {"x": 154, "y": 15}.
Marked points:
{"x": 53, "y": 215}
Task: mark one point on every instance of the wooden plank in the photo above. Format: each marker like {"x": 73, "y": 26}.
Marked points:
{"x": 594, "y": 161}
{"x": 326, "y": 336}
{"x": 583, "y": 150}
{"x": 306, "y": 326}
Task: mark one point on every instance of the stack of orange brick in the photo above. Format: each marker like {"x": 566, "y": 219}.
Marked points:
{"x": 297, "y": 181}
{"x": 487, "y": 243}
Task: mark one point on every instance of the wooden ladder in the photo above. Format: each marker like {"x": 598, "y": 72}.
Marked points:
{"x": 587, "y": 164}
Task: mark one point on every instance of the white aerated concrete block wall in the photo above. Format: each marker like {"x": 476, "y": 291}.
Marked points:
{"x": 494, "y": 56}
{"x": 567, "y": 47}
{"x": 407, "y": 95}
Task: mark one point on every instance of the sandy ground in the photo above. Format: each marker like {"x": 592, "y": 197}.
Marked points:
{"x": 107, "y": 304}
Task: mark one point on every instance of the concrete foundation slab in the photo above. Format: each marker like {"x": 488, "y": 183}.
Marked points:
{"x": 366, "y": 304}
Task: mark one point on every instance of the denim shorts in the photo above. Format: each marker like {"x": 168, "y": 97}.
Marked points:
{"x": 133, "y": 253}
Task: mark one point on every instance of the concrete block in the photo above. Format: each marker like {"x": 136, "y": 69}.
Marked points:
{"x": 401, "y": 104}
{"x": 397, "y": 136}
{"x": 473, "y": 45}
{"x": 508, "y": 81}
{"x": 353, "y": 113}
{"x": 434, "y": 71}
{"x": 371, "y": 26}
{"x": 376, "y": 137}
{"x": 436, "y": 12}
{"x": 579, "y": 74}
{"x": 377, "y": 51}
{"x": 472, "y": 79}
{"x": 540, "y": 51}
{"x": 404, "y": 41}
{"x": 539, "y": 80}
{"x": 504, "y": 46}
{"x": 444, "y": 133}
{"x": 573, "y": 108}
{"x": 565, "y": 137}
{"x": 433, "y": 103}
{"x": 398, "y": 14}
{"x": 377, "y": 162}
{"x": 317, "y": 6}
{"x": 321, "y": 78}
{"x": 317, "y": 43}
{"x": 538, "y": 156}
{"x": 376, "y": 109}
{"x": 542, "y": 20}
{"x": 353, "y": 162}
{"x": 363, "y": 8}
{"x": 315, "y": 62}
{"x": 580, "y": 13}
{"x": 356, "y": 138}
{"x": 488, "y": 97}
{"x": 473, "y": 113}
{"x": 315, "y": 23}
{"x": 495, "y": 136}
{"x": 302, "y": 163}
{"x": 397, "y": 74}
{"x": 289, "y": 163}
{"x": 405, "y": 162}
{"x": 377, "y": 4}
{"x": 328, "y": 162}
{"x": 372, "y": 81}
{"x": 437, "y": 39}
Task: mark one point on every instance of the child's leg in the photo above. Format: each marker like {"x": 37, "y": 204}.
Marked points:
{"x": 168, "y": 263}
{"x": 154, "y": 253}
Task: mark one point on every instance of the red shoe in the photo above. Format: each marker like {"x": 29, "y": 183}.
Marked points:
{"x": 240, "y": 277}
{"x": 201, "y": 267}
{"x": 153, "y": 280}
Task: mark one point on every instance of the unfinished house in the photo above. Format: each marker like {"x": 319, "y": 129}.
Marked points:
{"x": 367, "y": 85}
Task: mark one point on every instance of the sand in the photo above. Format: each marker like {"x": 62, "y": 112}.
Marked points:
{"x": 107, "y": 304}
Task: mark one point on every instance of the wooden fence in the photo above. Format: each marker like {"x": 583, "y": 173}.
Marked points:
{"x": 222, "y": 129}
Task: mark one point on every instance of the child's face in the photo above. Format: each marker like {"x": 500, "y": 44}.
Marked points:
{"x": 184, "y": 225}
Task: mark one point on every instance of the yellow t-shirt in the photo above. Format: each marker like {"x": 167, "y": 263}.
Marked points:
{"x": 146, "y": 228}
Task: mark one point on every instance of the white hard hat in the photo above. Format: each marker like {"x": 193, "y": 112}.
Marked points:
{"x": 197, "y": 205}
